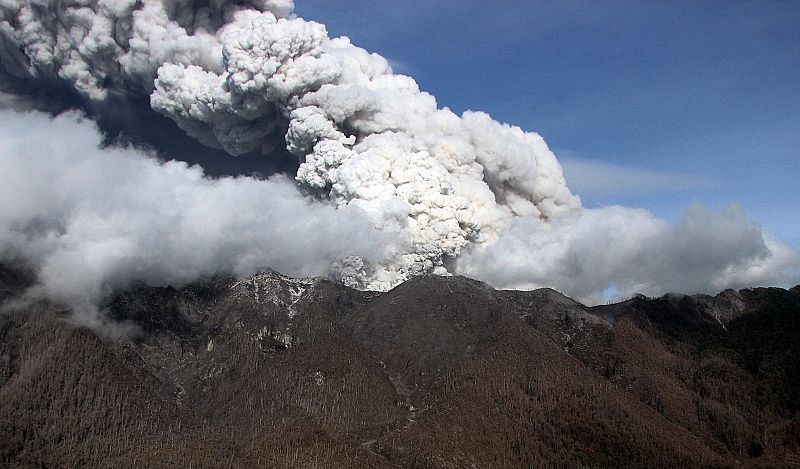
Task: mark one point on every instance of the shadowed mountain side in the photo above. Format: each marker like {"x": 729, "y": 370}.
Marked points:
{"x": 438, "y": 372}
{"x": 13, "y": 281}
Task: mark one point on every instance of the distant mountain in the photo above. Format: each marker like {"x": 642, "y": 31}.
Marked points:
{"x": 271, "y": 371}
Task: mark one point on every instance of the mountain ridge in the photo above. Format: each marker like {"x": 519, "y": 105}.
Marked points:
{"x": 437, "y": 372}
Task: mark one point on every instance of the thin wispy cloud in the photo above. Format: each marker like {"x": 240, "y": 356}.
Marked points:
{"x": 601, "y": 179}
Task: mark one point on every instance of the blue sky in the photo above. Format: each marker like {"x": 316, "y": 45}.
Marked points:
{"x": 647, "y": 104}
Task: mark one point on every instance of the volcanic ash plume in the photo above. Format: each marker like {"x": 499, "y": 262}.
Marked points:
{"x": 91, "y": 220}
{"x": 234, "y": 74}
{"x": 242, "y": 75}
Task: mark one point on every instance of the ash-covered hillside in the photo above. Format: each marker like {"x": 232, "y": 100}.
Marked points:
{"x": 270, "y": 371}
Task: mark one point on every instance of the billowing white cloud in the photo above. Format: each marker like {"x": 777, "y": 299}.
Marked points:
{"x": 631, "y": 251}
{"x": 89, "y": 219}
{"x": 234, "y": 75}
{"x": 446, "y": 193}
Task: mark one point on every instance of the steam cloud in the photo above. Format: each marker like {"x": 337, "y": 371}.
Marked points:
{"x": 91, "y": 218}
{"x": 422, "y": 189}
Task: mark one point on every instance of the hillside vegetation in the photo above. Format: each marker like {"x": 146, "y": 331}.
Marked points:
{"x": 439, "y": 372}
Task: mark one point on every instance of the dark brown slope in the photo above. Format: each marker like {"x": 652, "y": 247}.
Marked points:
{"x": 439, "y": 372}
